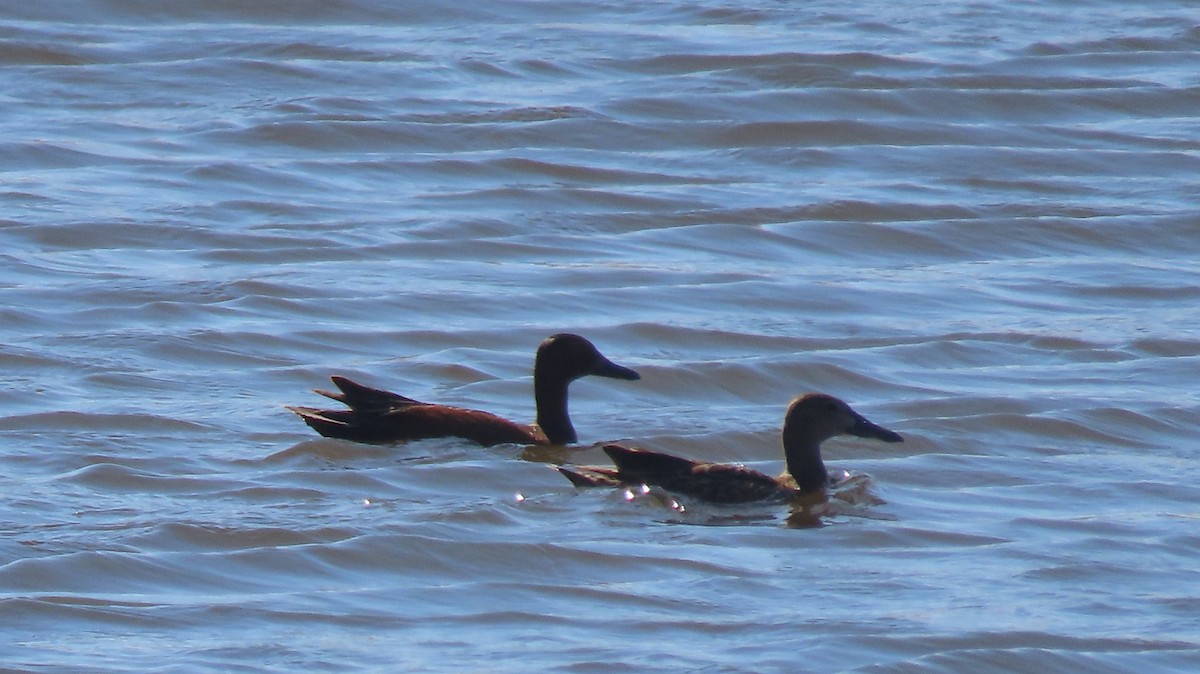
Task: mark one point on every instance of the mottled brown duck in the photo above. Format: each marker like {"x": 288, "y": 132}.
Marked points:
{"x": 810, "y": 420}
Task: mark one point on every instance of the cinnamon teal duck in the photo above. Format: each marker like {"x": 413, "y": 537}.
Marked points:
{"x": 377, "y": 416}
{"x": 810, "y": 420}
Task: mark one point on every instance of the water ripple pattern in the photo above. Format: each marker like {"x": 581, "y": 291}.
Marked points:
{"x": 976, "y": 222}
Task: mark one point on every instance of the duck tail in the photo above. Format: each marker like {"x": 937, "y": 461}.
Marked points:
{"x": 329, "y": 423}
{"x": 363, "y": 398}
{"x": 590, "y": 476}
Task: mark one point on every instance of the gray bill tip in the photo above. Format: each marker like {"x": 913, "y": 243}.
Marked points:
{"x": 607, "y": 368}
{"x": 866, "y": 429}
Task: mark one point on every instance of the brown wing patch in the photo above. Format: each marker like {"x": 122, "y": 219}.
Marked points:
{"x": 416, "y": 421}
{"x": 485, "y": 428}
{"x": 728, "y": 483}
{"x": 715, "y": 482}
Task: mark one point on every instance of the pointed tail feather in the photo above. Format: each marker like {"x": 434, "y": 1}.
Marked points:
{"x": 591, "y": 476}
{"x": 329, "y": 423}
{"x": 359, "y": 397}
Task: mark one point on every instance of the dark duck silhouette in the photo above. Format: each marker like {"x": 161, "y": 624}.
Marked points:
{"x": 810, "y": 420}
{"x": 377, "y": 416}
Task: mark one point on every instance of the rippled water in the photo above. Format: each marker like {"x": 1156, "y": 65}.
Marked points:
{"x": 977, "y": 222}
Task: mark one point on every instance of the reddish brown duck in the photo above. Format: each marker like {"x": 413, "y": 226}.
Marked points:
{"x": 810, "y": 420}
{"x": 378, "y": 416}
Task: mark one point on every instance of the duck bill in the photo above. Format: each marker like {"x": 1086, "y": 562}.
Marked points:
{"x": 607, "y": 368}
{"x": 865, "y": 429}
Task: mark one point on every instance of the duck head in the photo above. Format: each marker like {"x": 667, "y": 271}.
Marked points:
{"x": 566, "y": 357}
{"x": 560, "y": 360}
{"x": 814, "y": 418}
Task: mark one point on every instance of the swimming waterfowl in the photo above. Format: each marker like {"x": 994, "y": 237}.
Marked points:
{"x": 810, "y": 420}
{"x": 378, "y": 416}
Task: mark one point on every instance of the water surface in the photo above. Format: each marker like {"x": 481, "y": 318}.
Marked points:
{"x": 975, "y": 222}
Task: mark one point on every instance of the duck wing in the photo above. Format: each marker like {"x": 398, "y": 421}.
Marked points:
{"x": 379, "y": 416}
{"x": 419, "y": 421}
{"x": 715, "y": 482}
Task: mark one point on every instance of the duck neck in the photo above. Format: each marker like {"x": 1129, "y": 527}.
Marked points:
{"x": 805, "y": 466}
{"x": 551, "y": 398}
